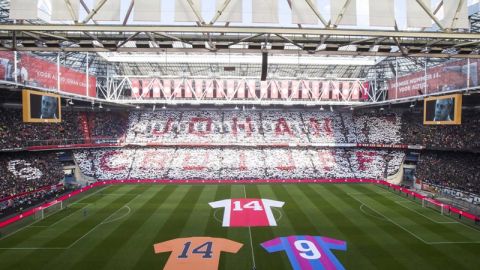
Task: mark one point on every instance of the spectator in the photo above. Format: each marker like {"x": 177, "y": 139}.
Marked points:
{"x": 237, "y": 163}
{"x": 448, "y": 169}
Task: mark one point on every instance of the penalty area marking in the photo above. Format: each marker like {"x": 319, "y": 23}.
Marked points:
{"x": 76, "y": 241}
{"x": 101, "y": 223}
{"x": 413, "y": 234}
{"x": 371, "y": 193}
{"x": 34, "y": 248}
{"x": 215, "y": 216}
{"x": 431, "y": 219}
{"x": 405, "y": 200}
{"x": 278, "y": 211}
{"x": 89, "y": 195}
{"x": 120, "y": 217}
{"x": 370, "y": 215}
{"x": 117, "y": 194}
{"x": 58, "y": 221}
{"x": 35, "y": 222}
{"x": 444, "y": 243}
{"x": 386, "y": 218}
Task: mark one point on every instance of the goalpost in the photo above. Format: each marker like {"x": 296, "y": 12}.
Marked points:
{"x": 440, "y": 207}
{"x": 49, "y": 210}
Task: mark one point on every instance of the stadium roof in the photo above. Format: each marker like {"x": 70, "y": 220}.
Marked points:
{"x": 116, "y": 48}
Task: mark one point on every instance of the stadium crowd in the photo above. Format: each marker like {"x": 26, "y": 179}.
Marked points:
{"x": 237, "y": 163}
{"x": 449, "y": 169}
{"x": 107, "y": 126}
{"x": 268, "y": 127}
{"x": 25, "y": 173}
{"x": 455, "y": 137}
{"x": 19, "y": 204}
{"x": 14, "y": 133}
{"x": 262, "y": 127}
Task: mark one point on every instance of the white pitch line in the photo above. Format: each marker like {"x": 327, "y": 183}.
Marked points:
{"x": 88, "y": 196}
{"x": 400, "y": 226}
{"x": 439, "y": 222}
{"x": 71, "y": 245}
{"x": 415, "y": 211}
{"x": 31, "y": 224}
{"x": 468, "y": 226}
{"x": 215, "y": 216}
{"x": 101, "y": 223}
{"x": 250, "y": 234}
{"x": 460, "y": 242}
{"x": 118, "y": 194}
{"x": 31, "y": 248}
{"x": 21, "y": 229}
{"x": 370, "y": 215}
{"x": 120, "y": 217}
{"x": 371, "y": 193}
{"x": 280, "y": 212}
{"x": 58, "y": 221}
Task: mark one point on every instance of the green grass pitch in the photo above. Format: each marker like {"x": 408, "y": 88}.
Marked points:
{"x": 383, "y": 230}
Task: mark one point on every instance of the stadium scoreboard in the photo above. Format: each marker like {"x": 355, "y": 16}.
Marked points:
{"x": 443, "y": 110}
{"x": 40, "y": 107}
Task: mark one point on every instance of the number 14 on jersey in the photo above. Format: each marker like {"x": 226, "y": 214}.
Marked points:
{"x": 247, "y": 212}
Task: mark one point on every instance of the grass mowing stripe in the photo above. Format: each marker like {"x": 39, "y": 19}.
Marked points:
{"x": 93, "y": 220}
{"x": 245, "y": 235}
{"x": 267, "y": 260}
{"x": 442, "y": 231}
{"x": 172, "y": 228}
{"x": 65, "y": 237}
{"x": 447, "y": 251}
{"x": 294, "y": 211}
{"x": 118, "y": 234}
{"x": 300, "y": 216}
{"x": 158, "y": 213}
{"x": 360, "y": 238}
{"x": 197, "y": 223}
{"x": 214, "y": 228}
{"x": 127, "y": 243}
{"x": 242, "y": 259}
{"x": 94, "y": 197}
{"x": 57, "y": 217}
{"x": 455, "y": 253}
{"x": 416, "y": 206}
{"x": 325, "y": 220}
{"x": 17, "y": 238}
{"x": 412, "y": 252}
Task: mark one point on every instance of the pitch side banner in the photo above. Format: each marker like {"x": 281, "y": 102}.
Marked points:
{"x": 406, "y": 191}
{"x": 36, "y": 72}
{"x": 453, "y": 75}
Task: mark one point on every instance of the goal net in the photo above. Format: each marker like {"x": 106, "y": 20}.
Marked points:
{"x": 437, "y": 206}
{"x": 49, "y": 210}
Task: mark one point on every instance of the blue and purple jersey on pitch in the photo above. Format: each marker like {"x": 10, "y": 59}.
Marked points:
{"x": 307, "y": 252}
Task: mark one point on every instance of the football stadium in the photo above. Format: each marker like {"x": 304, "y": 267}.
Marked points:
{"x": 239, "y": 134}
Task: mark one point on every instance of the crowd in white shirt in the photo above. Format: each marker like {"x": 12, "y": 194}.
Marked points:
{"x": 237, "y": 163}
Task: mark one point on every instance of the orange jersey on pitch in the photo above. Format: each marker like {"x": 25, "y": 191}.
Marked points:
{"x": 199, "y": 253}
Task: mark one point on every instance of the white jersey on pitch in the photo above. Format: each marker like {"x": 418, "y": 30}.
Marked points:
{"x": 247, "y": 212}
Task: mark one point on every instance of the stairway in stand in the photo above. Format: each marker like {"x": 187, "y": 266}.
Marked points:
{"x": 85, "y": 127}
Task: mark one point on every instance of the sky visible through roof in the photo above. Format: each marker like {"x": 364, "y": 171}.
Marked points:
{"x": 208, "y": 9}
